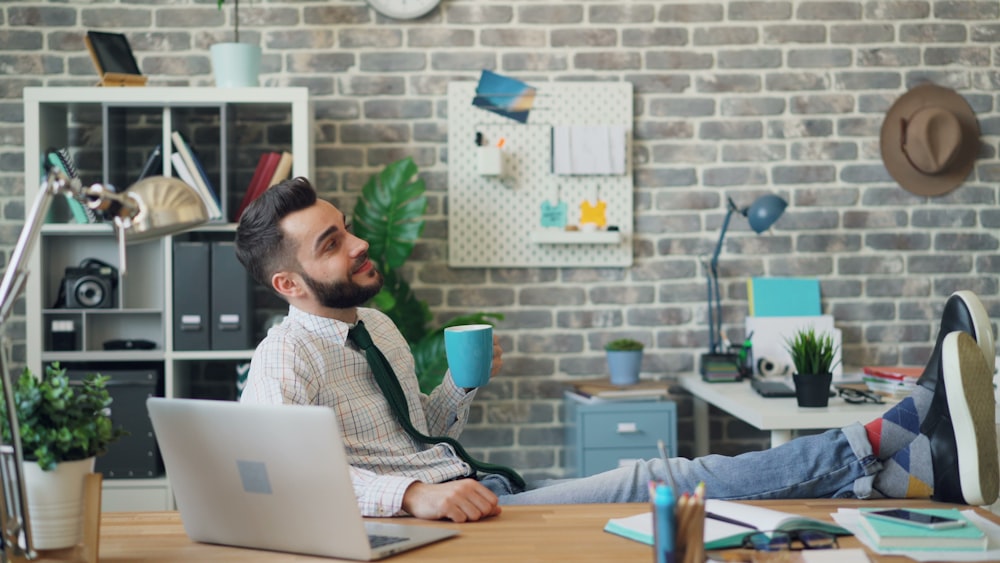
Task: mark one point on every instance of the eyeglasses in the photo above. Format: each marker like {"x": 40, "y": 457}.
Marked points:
{"x": 779, "y": 540}
{"x": 858, "y": 396}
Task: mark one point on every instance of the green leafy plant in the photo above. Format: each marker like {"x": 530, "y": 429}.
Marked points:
{"x": 389, "y": 215}
{"x": 812, "y": 352}
{"x": 623, "y": 345}
{"x": 59, "y": 421}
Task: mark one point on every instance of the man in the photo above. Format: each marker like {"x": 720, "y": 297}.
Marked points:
{"x": 939, "y": 443}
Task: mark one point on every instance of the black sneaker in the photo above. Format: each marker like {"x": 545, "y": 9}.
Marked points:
{"x": 961, "y": 425}
{"x": 962, "y": 312}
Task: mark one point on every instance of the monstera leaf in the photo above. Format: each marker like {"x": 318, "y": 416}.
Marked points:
{"x": 389, "y": 216}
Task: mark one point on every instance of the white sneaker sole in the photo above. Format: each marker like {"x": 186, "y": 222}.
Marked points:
{"x": 972, "y": 406}
{"x": 981, "y": 324}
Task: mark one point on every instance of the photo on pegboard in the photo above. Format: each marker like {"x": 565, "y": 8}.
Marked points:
{"x": 504, "y": 96}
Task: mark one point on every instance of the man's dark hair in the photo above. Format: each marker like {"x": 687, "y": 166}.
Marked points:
{"x": 260, "y": 243}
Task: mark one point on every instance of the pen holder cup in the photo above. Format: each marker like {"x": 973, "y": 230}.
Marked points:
{"x": 489, "y": 161}
{"x": 689, "y": 544}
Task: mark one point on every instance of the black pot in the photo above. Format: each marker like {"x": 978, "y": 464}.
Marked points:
{"x": 812, "y": 390}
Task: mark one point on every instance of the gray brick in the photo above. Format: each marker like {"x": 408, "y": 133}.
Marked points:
{"x": 861, "y": 33}
{"x": 47, "y": 16}
{"x": 588, "y": 319}
{"x": 890, "y": 265}
{"x": 391, "y": 62}
{"x": 990, "y": 218}
{"x": 330, "y": 62}
{"x": 335, "y": 14}
{"x": 655, "y": 37}
{"x": 672, "y": 60}
{"x": 819, "y": 58}
{"x": 753, "y": 107}
{"x": 617, "y": 295}
{"x": 897, "y": 10}
{"x": 938, "y": 264}
{"x": 829, "y": 11}
{"x": 693, "y": 12}
{"x": 734, "y": 176}
{"x": 870, "y": 311}
{"x": 480, "y": 297}
{"x": 948, "y": 242}
{"x": 746, "y": 59}
{"x": 679, "y": 107}
{"x": 550, "y": 344}
{"x": 549, "y": 14}
{"x": 898, "y": 241}
{"x": 828, "y": 243}
{"x": 803, "y": 174}
{"x": 887, "y": 219}
{"x": 799, "y": 128}
{"x": 658, "y": 84}
{"x": 505, "y": 37}
{"x": 440, "y": 38}
{"x": 534, "y": 62}
{"x": 895, "y": 57}
{"x": 664, "y": 177}
{"x": 722, "y": 83}
{"x": 965, "y": 56}
{"x": 790, "y": 82}
{"x": 617, "y": 13}
{"x": 756, "y": 152}
{"x": 715, "y": 36}
{"x": 554, "y": 296}
{"x": 584, "y": 38}
{"x": 397, "y": 109}
{"x": 607, "y": 61}
{"x": 373, "y": 86}
{"x": 669, "y": 269}
{"x": 760, "y": 10}
{"x": 849, "y": 80}
{"x": 985, "y": 33}
{"x": 462, "y": 61}
{"x": 794, "y": 33}
{"x": 591, "y": 275}
{"x": 932, "y": 33}
{"x": 659, "y": 316}
{"x": 984, "y": 286}
{"x": 840, "y": 288}
{"x": 967, "y": 10}
{"x": 824, "y": 150}
{"x": 988, "y": 264}
{"x": 909, "y": 286}
{"x": 479, "y": 14}
{"x": 715, "y": 130}
{"x": 526, "y": 319}
{"x": 944, "y": 218}
{"x": 825, "y": 197}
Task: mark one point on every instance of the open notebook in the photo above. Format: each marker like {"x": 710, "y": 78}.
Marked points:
{"x": 270, "y": 477}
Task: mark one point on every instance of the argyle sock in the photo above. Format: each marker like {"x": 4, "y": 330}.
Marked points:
{"x": 899, "y": 425}
{"x": 909, "y": 473}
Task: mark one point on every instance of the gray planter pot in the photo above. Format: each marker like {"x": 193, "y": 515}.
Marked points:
{"x": 235, "y": 65}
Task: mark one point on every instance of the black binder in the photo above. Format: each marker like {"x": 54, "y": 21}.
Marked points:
{"x": 191, "y": 296}
{"x": 230, "y": 303}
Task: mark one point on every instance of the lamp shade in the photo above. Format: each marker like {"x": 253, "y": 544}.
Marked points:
{"x": 764, "y": 211}
{"x": 166, "y": 206}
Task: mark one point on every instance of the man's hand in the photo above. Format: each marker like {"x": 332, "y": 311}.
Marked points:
{"x": 497, "y": 356}
{"x": 465, "y": 500}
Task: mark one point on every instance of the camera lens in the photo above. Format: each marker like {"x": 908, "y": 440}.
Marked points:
{"x": 89, "y": 292}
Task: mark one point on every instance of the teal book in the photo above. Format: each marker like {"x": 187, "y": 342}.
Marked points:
{"x": 783, "y": 297}
{"x": 890, "y": 535}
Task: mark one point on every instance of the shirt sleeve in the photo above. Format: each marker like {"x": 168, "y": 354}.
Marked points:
{"x": 447, "y": 408}
{"x": 379, "y": 495}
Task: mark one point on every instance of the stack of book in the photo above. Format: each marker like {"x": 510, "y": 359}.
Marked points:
{"x": 890, "y": 381}
{"x": 892, "y": 536}
{"x": 597, "y": 390}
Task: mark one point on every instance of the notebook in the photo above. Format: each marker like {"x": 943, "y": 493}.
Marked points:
{"x": 270, "y": 477}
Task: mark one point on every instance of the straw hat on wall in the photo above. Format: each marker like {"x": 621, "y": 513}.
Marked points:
{"x": 929, "y": 140}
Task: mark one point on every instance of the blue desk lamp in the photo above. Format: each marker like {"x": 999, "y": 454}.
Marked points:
{"x": 761, "y": 214}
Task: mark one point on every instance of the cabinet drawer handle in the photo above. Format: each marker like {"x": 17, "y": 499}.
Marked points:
{"x": 628, "y": 428}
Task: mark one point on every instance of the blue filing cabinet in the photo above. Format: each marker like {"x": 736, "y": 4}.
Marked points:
{"x": 604, "y": 435}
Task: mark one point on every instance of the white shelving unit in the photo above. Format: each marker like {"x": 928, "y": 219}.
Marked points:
{"x": 108, "y": 132}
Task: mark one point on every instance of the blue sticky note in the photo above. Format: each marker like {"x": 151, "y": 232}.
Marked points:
{"x": 784, "y": 297}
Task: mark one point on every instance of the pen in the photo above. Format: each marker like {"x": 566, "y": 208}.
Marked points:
{"x": 666, "y": 464}
{"x": 728, "y": 520}
{"x": 664, "y": 523}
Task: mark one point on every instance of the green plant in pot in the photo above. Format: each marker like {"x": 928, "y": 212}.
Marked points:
{"x": 389, "y": 215}
{"x": 235, "y": 64}
{"x": 624, "y": 360}
{"x": 63, "y": 426}
{"x": 814, "y": 357}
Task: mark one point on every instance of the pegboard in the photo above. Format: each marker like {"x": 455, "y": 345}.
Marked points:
{"x": 496, "y": 219}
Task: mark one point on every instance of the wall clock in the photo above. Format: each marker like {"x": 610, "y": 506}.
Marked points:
{"x": 403, "y": 9}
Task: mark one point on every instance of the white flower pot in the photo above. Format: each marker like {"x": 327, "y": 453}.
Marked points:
{"x": 235, "y": 65}
{"x": 55, "y": 502}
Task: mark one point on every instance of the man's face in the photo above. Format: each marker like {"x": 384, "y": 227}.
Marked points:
{"x": 333, "y": 263}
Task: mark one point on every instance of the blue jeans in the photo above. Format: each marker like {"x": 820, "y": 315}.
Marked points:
{"x": 835, "y": 464}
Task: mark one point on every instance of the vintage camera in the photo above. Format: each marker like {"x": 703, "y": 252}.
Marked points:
{"x": 91, "y": 285}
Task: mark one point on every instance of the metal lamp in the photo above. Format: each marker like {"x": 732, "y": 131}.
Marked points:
{"x": 151, "y": 208}
{"x": 761, "y": 214}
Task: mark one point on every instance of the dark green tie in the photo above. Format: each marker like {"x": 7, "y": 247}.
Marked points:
{"x": 385, "y": 377}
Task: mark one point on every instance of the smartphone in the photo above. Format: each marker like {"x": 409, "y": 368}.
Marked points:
{"x": 923, "y": 520}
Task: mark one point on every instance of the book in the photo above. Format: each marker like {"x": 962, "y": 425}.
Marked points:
{"x": 890, "y": 535}
{"x": 783, "y": 297}
{"x": 181, "y": 170}
{"x": 604, "y": 389}
{"x": 726, "y": 524}
{"x": 283, "y": 169}
{"x": 259, "y": 182}
{"x": 895, "y": 373}
{"x": 197, "y": 173}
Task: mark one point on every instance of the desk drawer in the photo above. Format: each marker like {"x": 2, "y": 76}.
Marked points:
{"x": 599, "y": 460}
{"x": 627, "y": 429}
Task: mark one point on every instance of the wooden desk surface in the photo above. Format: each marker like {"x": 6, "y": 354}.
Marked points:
{"x": 521, "y": 534}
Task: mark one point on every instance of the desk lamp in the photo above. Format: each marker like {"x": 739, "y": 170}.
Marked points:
{"x": 761, "y": 214}
{"x": 149, "y": 209}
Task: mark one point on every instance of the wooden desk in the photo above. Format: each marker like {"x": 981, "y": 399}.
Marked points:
{"x": 780, "y": 416}
{"x": 522, "y": 533}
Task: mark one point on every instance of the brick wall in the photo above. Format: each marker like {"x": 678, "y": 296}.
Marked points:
{"x": 733, "y": 99}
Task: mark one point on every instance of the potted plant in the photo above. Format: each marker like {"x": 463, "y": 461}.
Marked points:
{"x": 624, "y": 360}
{"x": 389, "y": 215}
{"x": 813, "y": 357}
{"x": 63, "y": 427}
{"x": 235, "y": 64}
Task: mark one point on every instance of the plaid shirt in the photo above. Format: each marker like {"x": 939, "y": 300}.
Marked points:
{"x": 306, "y": 361}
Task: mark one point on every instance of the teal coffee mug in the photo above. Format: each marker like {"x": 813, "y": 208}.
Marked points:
{"x": 469, "y": 349}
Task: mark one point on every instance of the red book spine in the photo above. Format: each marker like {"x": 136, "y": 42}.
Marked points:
{"x": 258, "y": 182}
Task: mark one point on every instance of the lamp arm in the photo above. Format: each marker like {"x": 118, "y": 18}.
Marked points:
{"x": 714, "y": 299}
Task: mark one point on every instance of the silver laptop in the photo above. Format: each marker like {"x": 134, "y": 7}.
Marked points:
{"x": 270, "y": 477}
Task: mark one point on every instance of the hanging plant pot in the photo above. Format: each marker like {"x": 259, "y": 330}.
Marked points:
{"x": 812, "y": 390}
{"x": 55, "y": 502}
{"x": 235, "y": 65}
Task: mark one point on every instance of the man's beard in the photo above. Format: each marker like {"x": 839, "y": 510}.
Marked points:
{"x": 343, "y": 294}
